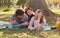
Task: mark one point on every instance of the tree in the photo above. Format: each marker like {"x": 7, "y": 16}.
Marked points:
{"x": 6, "y": 3}
{"x": 40, "y": 4}
{"x": 22, "y": 3}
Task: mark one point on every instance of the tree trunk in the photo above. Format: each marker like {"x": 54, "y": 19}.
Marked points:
{"x": 40, "y": 4}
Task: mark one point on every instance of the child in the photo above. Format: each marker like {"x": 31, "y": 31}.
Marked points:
{"x": 38, "y": 22}
{"x": 19, "y": 19}
{"x": 58, "y": 23}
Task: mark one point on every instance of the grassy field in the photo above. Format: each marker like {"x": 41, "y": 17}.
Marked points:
{"x": 7, "y": 12}
{"x": 28, "y": 34}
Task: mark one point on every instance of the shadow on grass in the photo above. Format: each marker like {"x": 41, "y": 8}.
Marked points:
{"x": 12, "y": 33}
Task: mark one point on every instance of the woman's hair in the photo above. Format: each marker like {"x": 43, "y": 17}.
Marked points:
{"x": 29, "y": 8}
{"x": 41, "y": 19}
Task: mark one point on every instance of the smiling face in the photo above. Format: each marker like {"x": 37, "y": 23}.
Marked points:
{"x": 29, "y": 12}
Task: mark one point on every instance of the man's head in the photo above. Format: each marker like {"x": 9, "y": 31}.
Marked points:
{"x": 19, "y": 13}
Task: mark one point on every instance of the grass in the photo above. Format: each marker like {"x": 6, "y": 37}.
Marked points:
{"x": 27, "y": 34}
{"x": 8, "y": 12}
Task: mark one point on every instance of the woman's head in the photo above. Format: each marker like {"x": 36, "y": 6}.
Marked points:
{"x": 29, "y": 11}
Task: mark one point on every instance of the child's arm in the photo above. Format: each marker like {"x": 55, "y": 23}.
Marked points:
{"x": 44, "y": 19}
{"x": 31, "y": 24}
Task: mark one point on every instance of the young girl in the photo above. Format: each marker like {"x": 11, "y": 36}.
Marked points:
{"x": 38, "y": 22}
{"x": 58, "y": 23}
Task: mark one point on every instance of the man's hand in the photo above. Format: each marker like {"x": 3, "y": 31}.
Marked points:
{"x": 14, "y": 22}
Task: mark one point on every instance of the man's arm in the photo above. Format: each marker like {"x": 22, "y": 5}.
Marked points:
{"x": 25, "y": 23}
{"x": 14, "y": 22}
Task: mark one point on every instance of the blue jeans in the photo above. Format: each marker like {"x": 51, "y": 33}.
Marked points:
{"x": 15, "y": 26}
{"x": 10, "y": 26}
{"x": 46, "y": 27}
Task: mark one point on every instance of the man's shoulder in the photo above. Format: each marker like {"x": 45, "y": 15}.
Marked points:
{"x": 13, "y": 16}
{"x": 25, "y": 15}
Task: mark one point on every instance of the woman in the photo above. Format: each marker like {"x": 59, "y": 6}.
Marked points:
{"x": 38, "y": 22}
{"x": 29, "y": 12}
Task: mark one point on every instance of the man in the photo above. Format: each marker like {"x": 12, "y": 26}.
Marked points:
{"x": 19, "y": 19}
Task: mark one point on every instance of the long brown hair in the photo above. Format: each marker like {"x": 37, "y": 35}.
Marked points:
{"x": 41, "y": 20}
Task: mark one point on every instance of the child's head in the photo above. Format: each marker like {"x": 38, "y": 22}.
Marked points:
{"x": 39, "y": 12}
{"x": 19, "y": 13}
{"x": 40, "y": 15}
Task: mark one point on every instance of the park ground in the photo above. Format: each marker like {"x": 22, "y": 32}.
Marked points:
{"x": 5, "y": 16}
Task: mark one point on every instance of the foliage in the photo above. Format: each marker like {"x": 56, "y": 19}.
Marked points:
{"x": 52, "y": 1}
{"x": 6, "y": 3}
{"x": 22, "y": 3}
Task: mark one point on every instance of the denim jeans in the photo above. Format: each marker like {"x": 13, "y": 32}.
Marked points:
{"x": 46, "y": 27}
{"x": 15, "y": 26}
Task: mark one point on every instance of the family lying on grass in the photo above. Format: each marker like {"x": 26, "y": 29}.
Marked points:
{"x": 27, "y": 20}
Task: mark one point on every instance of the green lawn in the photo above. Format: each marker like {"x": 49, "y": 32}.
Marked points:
{"x": 8, "y": 12}
{"x": 27, "y": 34}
